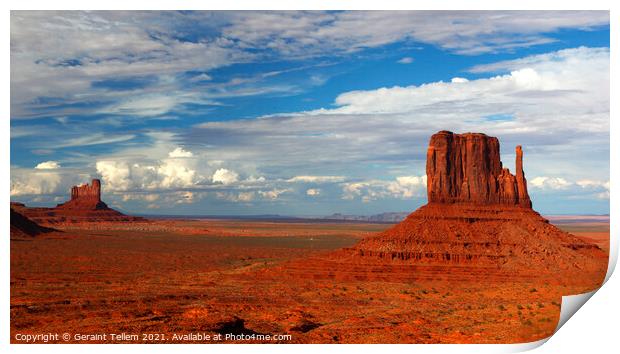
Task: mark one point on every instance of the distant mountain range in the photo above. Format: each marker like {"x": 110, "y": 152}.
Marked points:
{"x": 383, "y": 217}
{"x": 391, "y": 217}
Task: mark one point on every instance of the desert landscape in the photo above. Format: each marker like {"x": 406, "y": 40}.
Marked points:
{"x": 306, "y": 177}
{"x": 475, "y": 265}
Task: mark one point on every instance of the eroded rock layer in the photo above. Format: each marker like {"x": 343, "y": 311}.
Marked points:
{"x": 508, "y": 239}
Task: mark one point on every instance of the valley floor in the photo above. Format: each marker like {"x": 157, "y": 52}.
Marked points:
{"x": 211, "y": 277}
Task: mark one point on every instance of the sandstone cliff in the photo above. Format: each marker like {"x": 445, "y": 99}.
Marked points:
{"x": 466, "y": 168}
{"x": 85, "y": 197}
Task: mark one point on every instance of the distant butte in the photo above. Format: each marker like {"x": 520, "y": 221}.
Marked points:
{"x": 85, "y": 205}
{"x": 85, "y": 197}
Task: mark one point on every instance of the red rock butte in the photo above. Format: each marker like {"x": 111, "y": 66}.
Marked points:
{"x": 466, "y": 168}
{"x": 85, "y": 197}
{"x": 85, "y": 205}
{"x": 478, "y": 225}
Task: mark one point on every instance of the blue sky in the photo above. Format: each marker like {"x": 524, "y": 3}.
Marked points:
{"x": 302, "y": 113}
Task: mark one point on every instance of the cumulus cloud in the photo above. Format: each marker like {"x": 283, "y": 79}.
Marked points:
{"x": 176, "y": 173}
{"x": 407, "y": 186}
{"x": 549, "y": 182}
{"x": 579, "y": 189}
{"x": 404, "y": 187}
{"x": 406, "y": 60}
{"x": 48, "y": 165}
{"x": 35, "y": 183}
{"x": 170, "y": 173}
{"x": 313, "y": 192}
{"x": 45, "y": 182}
{"x": 179, "y": 152}
{"x": 225, "y": 176}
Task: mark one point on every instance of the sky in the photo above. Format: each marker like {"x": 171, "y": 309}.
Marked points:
{"x": 302, "y": 113}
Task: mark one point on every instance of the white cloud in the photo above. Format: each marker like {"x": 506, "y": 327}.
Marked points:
{"x": 313, "y": 192}
{"x": 115, "y": 174}
{"x": 587, "y": 183}
{"x": 151, "y": 105}
{"x": 45, "y": 182}
{"x": 274, "y": 193}
{"x": 316, "y": 179}
{"x": 48, "y": 165}
{"x": 581, "y": 189}
{"x": 176, "y": 174}
{"x": 559, "y": 102}
{"x": 171, "y": 173}
{"x": 570, "y": 83}
{"x": 89, "y": 48}
{"x": 179, "y": 152}
{"x": 35, "y": 183}
{"x": 201, "y": 77}
{"x": 555, "y": 183}
{"x": 599, "y": 188}
{"x": 557, "y": 107}
{"x": 225, "y": 176}
{"x": 253, "y": 179}
{"x": 544, "y": 182}
{"x": 404, "y": 187}
{"x": 406, "y": 60}
{"x": 458, "y": 80}
{"x": 407, "y": 186}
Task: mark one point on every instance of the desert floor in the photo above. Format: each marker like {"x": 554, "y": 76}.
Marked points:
{"x": 181, "y": 277}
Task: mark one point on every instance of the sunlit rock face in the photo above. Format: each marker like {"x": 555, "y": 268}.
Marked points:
{"x": 466, "y": 168}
